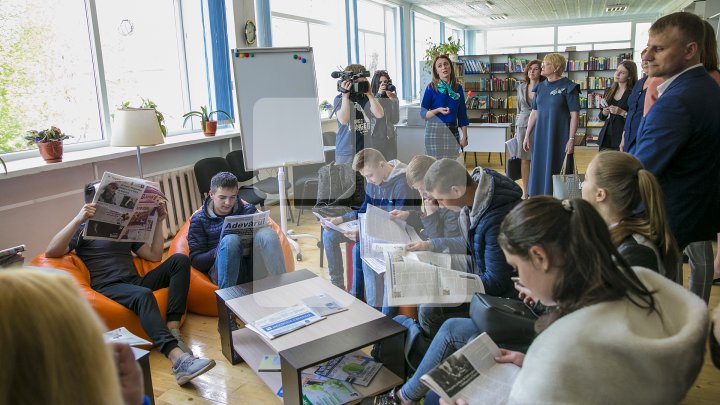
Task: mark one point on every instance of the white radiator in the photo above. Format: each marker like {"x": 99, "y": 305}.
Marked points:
{"x": 180, "y": 188}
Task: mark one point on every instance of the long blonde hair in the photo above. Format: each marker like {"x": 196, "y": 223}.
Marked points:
{"x": 52, "y": 344}
{"x": 628, "y": 185}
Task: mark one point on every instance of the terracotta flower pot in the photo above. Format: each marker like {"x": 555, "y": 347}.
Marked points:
{"x": 51, "y": 151}
{"x": 210, "y": 128}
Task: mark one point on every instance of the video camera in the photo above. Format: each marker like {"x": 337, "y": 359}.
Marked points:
{"x": 357, "y": 86}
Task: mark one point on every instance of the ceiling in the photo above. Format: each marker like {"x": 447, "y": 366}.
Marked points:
{"x": 476, "y": 14}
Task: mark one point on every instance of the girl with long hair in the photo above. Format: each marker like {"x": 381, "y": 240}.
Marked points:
{"x": 616, "y": 109}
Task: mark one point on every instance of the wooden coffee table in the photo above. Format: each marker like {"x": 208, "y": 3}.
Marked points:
{"x": 358, "y": 327}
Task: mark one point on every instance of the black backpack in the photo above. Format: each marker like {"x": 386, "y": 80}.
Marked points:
{"x": 340, "y": 189}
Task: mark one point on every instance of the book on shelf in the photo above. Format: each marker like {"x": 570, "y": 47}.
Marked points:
{"x": 472, "y": 374}
{"x": 482, "y": 102}
{"x": 269, "y": 363}
{"x": 354, "y": 368}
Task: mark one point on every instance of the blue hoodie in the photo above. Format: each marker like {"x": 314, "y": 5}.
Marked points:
{"x": 205, "y": 229}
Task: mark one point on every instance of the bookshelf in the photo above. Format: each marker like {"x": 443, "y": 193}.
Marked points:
{"x": 493, "y": 81}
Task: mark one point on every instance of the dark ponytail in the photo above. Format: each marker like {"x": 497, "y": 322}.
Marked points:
{"x": 578, "y": 243}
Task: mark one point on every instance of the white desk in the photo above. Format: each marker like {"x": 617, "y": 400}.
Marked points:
{"x": 481, "y": 138}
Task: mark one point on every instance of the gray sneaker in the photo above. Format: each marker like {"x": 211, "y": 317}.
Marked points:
{"x": 180, "y": 342}
{"x": 188, "y": 367}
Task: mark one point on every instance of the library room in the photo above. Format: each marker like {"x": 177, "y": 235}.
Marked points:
{"x": 371, "y": 202}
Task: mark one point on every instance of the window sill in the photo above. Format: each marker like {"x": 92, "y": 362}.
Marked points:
{"x": 34, "y": 165}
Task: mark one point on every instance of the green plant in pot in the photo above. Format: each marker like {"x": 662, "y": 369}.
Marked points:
{"x": 49, "y": 142}
{"x": 209, "y": 126}
{"x": 451, "y": 47}
{"x": 326, "y": 108}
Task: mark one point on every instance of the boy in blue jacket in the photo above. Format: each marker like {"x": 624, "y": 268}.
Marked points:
{"x": 228, "y": 261}
{"x": 387, "y": 189}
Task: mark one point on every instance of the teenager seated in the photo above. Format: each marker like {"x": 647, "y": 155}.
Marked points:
{"x": 630, "y": 200}
{"x": 643, "y": 321}
{"x": 387, "y": 189}
{"x": 54, "y": 348}
{"x": 233, "y": 259}
{"x": 113, "y": 274}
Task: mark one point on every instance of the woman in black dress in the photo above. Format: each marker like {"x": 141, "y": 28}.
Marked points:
{"x": 614, "y": 114}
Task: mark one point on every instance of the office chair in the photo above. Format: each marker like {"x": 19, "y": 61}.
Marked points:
{"x": 266, "y": 186}
{"x": 206, "y": 168}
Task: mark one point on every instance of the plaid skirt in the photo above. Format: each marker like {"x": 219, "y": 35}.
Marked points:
{"x": 441, "y": 140}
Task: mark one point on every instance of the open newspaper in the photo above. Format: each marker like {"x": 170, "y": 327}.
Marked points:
{"x": 350, "y": 226}
{"x": 472, "y": 374}
{"x": 244, "y": 225}
{"x": 126, "y": 209}
{"x": 426, "y": 278}
{"x": 381, "y": 234}
{"x": 122, "y": 335}
{"x": 12, "y": 256}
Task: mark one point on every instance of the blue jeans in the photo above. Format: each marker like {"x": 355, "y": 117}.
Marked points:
{"x": 358, "y": 284}
{"x": 453, "y": 335}
{"x": 231, "y": 266}
{"x": 331, "y": 241}
{"x": 375, "y": 289}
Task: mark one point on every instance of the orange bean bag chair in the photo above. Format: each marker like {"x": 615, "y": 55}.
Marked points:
{"x": 111, "y": 313}
{"x": 201, "y": 297}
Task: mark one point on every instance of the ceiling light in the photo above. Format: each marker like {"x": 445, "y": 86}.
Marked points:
{"x": 495, "y": 17}
{"x": 614, "y": 8}
{"x": 480, "y": 5}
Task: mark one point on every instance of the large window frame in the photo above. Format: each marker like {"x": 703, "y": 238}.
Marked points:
{"x": 390, "y": 36}
{"x": 216, "y": 73}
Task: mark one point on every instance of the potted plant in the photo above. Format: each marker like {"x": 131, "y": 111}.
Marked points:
{"x": 209, "y": 126}
{"x": 147, "y": 103}
{"x": 450, "y": 47}
{"x": 326, "y": 108}
{"x": 49, "y": 142}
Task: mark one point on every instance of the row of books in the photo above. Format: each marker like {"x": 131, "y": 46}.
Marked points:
{"x": 593, "y": 100}
{"x": 597, "y": 63}
{"x": 491, "y": 118}
{"x": 474, "y": 66}
{"x": 492, "y": 83}
{"x": 517, "y": 65}
{"x": 484, "y": 101}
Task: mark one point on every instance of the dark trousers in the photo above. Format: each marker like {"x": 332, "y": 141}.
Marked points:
{"x": 137, "y": 295}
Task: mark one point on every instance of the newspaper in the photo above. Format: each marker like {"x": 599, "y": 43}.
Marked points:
{"x": 355, "y": 368}
{"x": 244, "y": 225}
{"x": 472, "y": 374}
{"x": 380, "y": 233}
{"x": 122, "y": 335}
{"x": 412, "y": 282}
{"x": 126, "y": 209}
{"x": 285, "y": 321}
{"x": 318, "y": 390}
{"x": 345, "y": 227}
{"x": 12, "y": 256}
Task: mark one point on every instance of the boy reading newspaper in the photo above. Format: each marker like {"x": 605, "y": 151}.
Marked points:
{"x": 229, "y": 239}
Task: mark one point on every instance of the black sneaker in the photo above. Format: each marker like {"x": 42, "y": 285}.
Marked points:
{"x": 389, "y": 398}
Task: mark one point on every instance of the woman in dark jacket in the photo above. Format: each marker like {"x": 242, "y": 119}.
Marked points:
{"x": 382, "y": 130}
{"x": 616, "y": 109}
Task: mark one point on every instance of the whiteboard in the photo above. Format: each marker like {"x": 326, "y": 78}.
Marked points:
{"x": 277, "y": 102}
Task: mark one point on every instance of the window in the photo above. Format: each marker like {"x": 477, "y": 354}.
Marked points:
{"x": 54, "y": 69}
{"x": 480, "y": 43}
{"x": 641, "y": 39}
{"x": 456, "y": 33}
{"x": 378, "y": 49}
{"x": 313, "y": 23}
{"x": 500, "y": 40}
{"x": 594, "y": 33}
{"x": 46, "y": 72}
{"x": 426, "y": 30}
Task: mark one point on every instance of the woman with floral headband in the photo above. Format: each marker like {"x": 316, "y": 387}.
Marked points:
{"x": 552, "y": 125}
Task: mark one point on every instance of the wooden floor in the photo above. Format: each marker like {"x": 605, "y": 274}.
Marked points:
{"x": 227, "y": 384}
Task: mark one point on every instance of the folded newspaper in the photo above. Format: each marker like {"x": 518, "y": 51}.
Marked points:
{"x": 318, "y": 390}
{"x": 285, "y": 321}
{"x": 355, "y": 368}
{"x": 350, "y": 226}
{"x": 380, "y": 233}
{"x": 126, "y": 209}
{"x": 472, "y": 374}
{"x": 122, "y": 335}
{"x": 410, "y": 281}
{"x": 244, "y": 225}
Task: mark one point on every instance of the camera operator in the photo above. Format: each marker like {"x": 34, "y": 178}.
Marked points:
{"x": 364, "y": 105}
{"x": 383, "y": 132}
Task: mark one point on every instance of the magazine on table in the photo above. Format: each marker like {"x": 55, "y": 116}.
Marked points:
{"x": 122, "y": 335}
{"x": 410, "y": 281}
{"x": 379, "y": 234}
{"x": 244, "y": 225}
{"x": 472, "y": 374}
{"x": 285, "y": 321}
{"x": 126, "y": 209}
{"x": 355, "y": 368}
{"x": 345, "y": 227}
{"x": 318, "y": 390}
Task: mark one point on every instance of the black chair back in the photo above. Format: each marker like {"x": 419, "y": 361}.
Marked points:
{"x": 237, "y": 166}
{"x": 329, "y": 138}
{"x": 205, "y": 169}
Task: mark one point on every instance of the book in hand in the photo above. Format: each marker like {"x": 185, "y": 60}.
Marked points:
{"x": 355, "y": 368}
{"x": 323, "y": 304}
{"x": 244, "y": 225}
{"x": 122, "y": 335}
{"x": 472, "y": 374}
{"x": 269, "y": 363}
{"x": 285, "y": 321}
